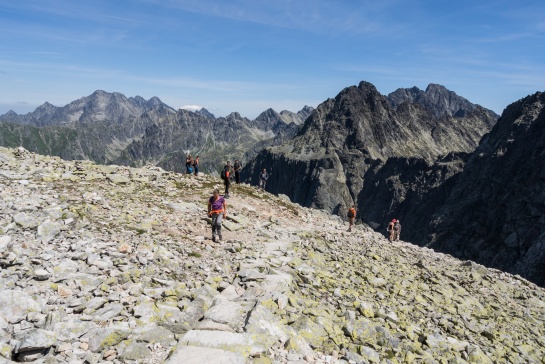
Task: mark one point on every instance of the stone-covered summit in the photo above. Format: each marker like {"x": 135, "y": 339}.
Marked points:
{"x": 112, "y": 264}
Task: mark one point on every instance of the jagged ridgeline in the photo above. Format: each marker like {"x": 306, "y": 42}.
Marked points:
{"x": 107, "y": 264}
{"x": 458, "y": 181}
{"x": 109, "y": 128}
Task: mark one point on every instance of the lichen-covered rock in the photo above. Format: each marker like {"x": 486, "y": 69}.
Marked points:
{"x": 102, "y": 338}
{"x": 199, "y": 355}
{"x": 242, "y": 344}
{"x": 303, "y": 292}
{"x": 15, "y": 304}
{"x": 36, "y": 340}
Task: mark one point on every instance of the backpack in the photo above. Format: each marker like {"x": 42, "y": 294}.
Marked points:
{"x": 190, "y": 170}
{"x": 223, "y": 174}
{"x": 351, "y": 213}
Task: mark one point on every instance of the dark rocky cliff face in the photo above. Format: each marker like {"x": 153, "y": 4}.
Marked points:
{"x": 495, "y": 212}
{"x": 326, "y": 164}
{"x": 486, "y": 203}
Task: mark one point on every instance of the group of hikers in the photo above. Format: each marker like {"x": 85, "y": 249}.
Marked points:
{"x": 192, "y": 165}
{"x": 217, "y": 206}
{"x": 393, "y": 229}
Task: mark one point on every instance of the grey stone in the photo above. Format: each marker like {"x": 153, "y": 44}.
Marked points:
{"x": 201, "y": 355}
{"x": 194, "y": 312}
{"x": 5, "y": 351}
{"x": 41, "y": 274}
{"x": 108, "y": 311}
{"x": 135, "y": 351}
{"x": 26, "y": 221}
{"x": 235, "y": 342}
{"x": 4, "y": 242}
{"x": 94, "y": 304}
{"x": 156, "y": 334}
{"x": 16, "y": 304}
{"x": 36, "y": 340}
{"x": 251, "y": 275}
{"x": 102, "y": 338}
{"x": 72, "y": 329}
{"x": 264, "y": 327}
{"x": 231, "y": 226}
{"x": 118, "y": 179}
{"x": 226, "y": 312}
{"x": 48, "y": 230}
{"x": 239, "y": 219}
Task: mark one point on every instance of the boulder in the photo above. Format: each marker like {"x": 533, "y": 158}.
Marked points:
{"x": 200, "y": 355}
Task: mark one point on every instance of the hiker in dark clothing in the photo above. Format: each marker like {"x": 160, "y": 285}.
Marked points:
{"x": 217, "y": 210}
{"x": 238, "y": 168}
{"x": 263, "y": 177}
{"x": 226, "y": 175}
{"x": 351, "y": 217}
{"x": 196, "y": 165}
{"x": 397, "y": 230}
{"x": 391, "y": 231}
{"x": 188, "y": 162}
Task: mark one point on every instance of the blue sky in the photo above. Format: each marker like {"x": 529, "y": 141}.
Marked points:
{"x": 249, "y": 55}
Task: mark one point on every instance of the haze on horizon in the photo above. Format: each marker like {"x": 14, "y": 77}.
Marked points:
{"x": 247, "y": 56}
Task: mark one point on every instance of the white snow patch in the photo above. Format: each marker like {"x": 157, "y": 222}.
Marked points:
{"x": 191, "y": 107}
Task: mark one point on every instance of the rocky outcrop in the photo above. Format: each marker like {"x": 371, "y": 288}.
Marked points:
{"x": 495, "y": 211}
{"x": 325, "y": 165}
{"x": 437, "y": 98}
{"x": 129, "y": 275}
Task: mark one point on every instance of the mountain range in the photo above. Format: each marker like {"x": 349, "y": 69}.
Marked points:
{"x": 111, "y": 128}
{"x": 461, "y": 179}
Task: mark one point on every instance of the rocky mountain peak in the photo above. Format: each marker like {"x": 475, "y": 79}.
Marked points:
{"x": 155, "y": 101}
{"x": 204, "y": 112}
{"x": 436, "y": 98}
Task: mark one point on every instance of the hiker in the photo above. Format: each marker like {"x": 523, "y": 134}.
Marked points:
{"x": 263, "y": 177}
{"x": 217, "y": 210}
{"x": 196, "y": 165}
{"x": 226, "y": 176}
{"x": 391, "y": 231}
{"x": 351, "y": 217}
{"x": 188, "y": 162}
{"x": 397, "y": 230}
{"x": 238, "y": 168}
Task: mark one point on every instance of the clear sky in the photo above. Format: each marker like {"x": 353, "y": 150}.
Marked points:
{"x": 249, "y": 55}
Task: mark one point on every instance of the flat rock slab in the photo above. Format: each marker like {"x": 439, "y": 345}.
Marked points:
{"x": 73, "y": 329}
{"x": 118, "y": 179}
{"x": 239, "y": 219}
{"x": 264, "y": 327}
{"x": 14, "y": 304}
{"x": 198, "y": 355}
{"x": 227, "y": 313}
{"x": 185, "y": 206}
{"x": 36, "y": 340}
{"x": 100, "y": 339}
{"x": 242, "y": 344}
{"x": 232, "y": 226}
